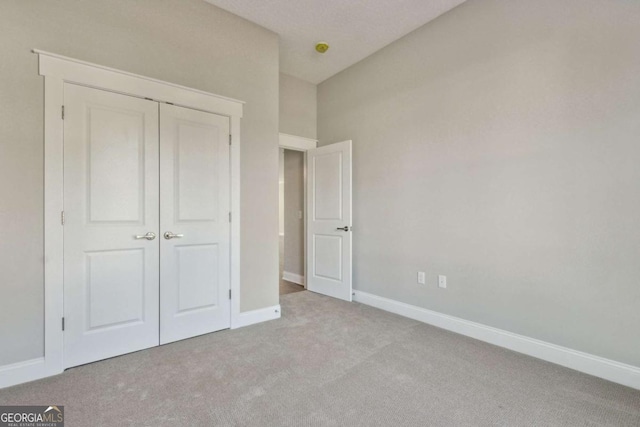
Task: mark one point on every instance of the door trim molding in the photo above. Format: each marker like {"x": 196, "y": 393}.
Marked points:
{"x": 608, "y": 369}
{"x": 84, "y": 73}
{"x": 58, "y": 70}
{"x": 297, "y": 143}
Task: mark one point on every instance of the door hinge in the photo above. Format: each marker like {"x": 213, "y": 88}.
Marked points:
{"x": 229, "y": 139}
{"x": 62, "y": 217}
{"x": 229, "y": 293}
{"x": 63, "y": 323}
{"x": 229, "y": 216}
{"x": 63, "y": 112}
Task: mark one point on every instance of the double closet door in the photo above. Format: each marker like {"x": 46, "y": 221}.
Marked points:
{"x": 146, "y": 228}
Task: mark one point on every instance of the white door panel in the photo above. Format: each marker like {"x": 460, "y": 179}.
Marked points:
{"x": 328, "y": 257}
{"x": 329, "y": 206}
{"x": 194, "y": 205}
{"x": 327, "y": 174}
{"x": 110, "y": 197}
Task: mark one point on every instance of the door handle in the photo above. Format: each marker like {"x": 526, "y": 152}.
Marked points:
{"x": 345, "y": 228}
{"x": 149, "y": 236}
{"x": 170, "y": 235}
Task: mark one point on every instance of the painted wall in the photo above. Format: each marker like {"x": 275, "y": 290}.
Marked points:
{"x": 298, "y": 104}
{"x": 499, "y": 145}
{"x": 188, "y": 42}
{"x": 293, "y": 206}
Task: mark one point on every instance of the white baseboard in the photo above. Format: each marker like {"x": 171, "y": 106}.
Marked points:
{"x": 257, "y": 316}
{"x": 293, "y": 277}
{"x": 34, "y": 369}
{"x": 22, "y": 372}
{"x": 611, "y": 370}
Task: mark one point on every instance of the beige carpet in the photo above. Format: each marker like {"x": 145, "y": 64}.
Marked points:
{"x": 330, "y": 363}
{"x": 289, "y": 287}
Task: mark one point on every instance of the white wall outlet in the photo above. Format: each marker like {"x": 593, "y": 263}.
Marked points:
{"x": 422, "y": 277}
{"x": 442, "y": 281}
{"x": 299, "y": 214}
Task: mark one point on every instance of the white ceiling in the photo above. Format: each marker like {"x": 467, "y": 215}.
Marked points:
{"x": 354, "y": 29}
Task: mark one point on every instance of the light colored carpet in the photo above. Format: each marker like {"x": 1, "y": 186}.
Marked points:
{"x": 330, "y": 363}
{"x": 289, "y": 287}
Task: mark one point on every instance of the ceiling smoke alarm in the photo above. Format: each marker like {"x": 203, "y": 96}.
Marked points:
{"x": 322, "y": 47}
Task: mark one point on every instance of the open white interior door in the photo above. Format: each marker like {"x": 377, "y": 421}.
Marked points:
{"x": 329, "y": 235}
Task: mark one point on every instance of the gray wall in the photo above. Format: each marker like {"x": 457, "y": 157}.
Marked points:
{"x": 293, "y": 204}
{"x": 499, "y": 145}
{"x": 188, "y": 42}
{"x": 297, "y": 107}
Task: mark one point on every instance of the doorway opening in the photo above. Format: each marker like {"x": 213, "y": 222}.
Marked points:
{"x": 291, "y": 228}
{"x": 316, "y": 213}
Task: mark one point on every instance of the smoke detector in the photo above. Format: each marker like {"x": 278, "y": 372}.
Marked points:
{"x": 322, "y": 47}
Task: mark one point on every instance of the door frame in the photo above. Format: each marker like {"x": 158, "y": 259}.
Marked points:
{"x": 58, "y": 70}
{"x": 302, "y": 144}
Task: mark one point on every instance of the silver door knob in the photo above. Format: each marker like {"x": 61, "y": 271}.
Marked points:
{"x": 169, "y": 235}
{"x": 345, "y": 228}
{"x": 149, "y": 236}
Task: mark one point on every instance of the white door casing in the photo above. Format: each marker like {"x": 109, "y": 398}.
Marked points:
{"x": 195, "y": 207}
{"x": 301, "y": 144}
{"x": 148, "y": 224}
{"x": 110, "y": 197}
{"x": 329, "y": 213}
{"x": 56, "y": 71}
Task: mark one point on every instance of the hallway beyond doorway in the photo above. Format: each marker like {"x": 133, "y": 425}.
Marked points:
{"x": 286, "y": 287}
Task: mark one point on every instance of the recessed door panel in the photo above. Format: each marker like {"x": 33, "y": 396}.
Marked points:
{"x": 327, "y": 170}
{"x": 115, "y": 167}
{"x": 197, "y": 277}
{"x": 329, "y": 227}
{"x": 197, "y": 149}
{"x": 194, "y": 206}
{"x": 111, "y": 277}
{"x": 328, "y": 257}
{"x": 114, "y": 288}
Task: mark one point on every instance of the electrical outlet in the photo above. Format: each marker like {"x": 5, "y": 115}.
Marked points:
{"x": 299, "y": 214}
{"x": 442, "y": 282}
{"x": 422, "y": 277}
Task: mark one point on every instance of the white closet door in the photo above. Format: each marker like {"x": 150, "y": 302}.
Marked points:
{"x": 194, "y": 211}
{"x": 329, "y": 234}
{"x": 110, "y": 200}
